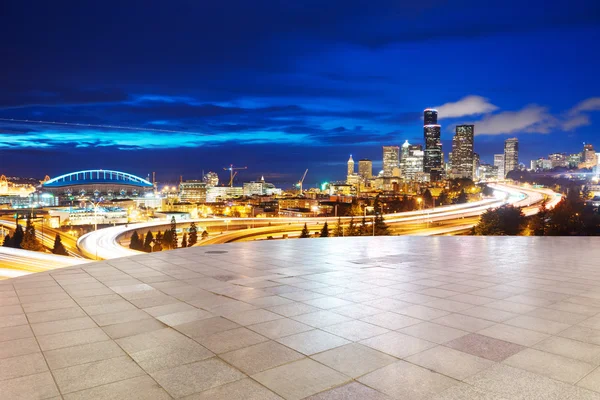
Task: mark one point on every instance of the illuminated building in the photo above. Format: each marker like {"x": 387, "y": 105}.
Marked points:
{"x": 192, "y": 191}
{"x": 432, "y": 161}
{"x": 101, "y": 215}
{"x": 350, "y": 166}
{"x": 541, "y": 164}
{"x": 558, "y": 160}
{"x": 499, "y": 163}
{"x": 462, "y": 152}
{"x": 260, "y": 188}
{"x": 96, "y": 184}
{"x": 365, "y": 168}
{"x": 588, "y": 157}
{"x": 211, "y": 179}
{"x": 219, "y": 193}
{"x": 476, "y": 163}
{"x": 413, "y": 165}
{"x": 430, "y": 116}
{"x": 511, "y": 155}
{"x": 488, "y": 172}
{"x": 574, "y": 160}
{"x": 391, "y": 159}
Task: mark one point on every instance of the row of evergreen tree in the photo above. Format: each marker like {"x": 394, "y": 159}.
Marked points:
{"x": 379, "y": 228}
{"x": 27, "y": 240}
{"x": 165, "y": 241}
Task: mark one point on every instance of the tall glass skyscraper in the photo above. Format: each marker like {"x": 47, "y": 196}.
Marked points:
{"x": 432, "y": 162}
{"x": 391, "y": 159}
{"x": 462, "y": 152}
{"x": 430, "y": 116}
{"x": 511, "y": 155}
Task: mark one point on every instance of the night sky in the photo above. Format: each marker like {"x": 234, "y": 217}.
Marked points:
{"x": 281, "y": 86}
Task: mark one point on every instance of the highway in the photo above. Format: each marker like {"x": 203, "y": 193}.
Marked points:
{"x": 104, "y": 244}
{"x": 18, "y": 262}
{"x": 47, "y": 236}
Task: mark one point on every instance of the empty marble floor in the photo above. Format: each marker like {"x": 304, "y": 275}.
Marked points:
{"x": 342, "y": 318}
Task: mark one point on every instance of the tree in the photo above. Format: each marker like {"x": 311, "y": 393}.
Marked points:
{"x": 158, "y": 242}
{"x": 325, "y": 230}
{"x": 363, "y": 229}
{"x": 193, "y": 238}
{"x": 167, "y": 240}
{"x": 462, "y": 197}
{"x": 352, "y": 231}
{"x": 135, "y": 242}
{"x": 30, "y": 241}
{"x": 17, "y": 237}
{"x": 381, "y": 228}
{"x": 505, "y": 220}
{"x": 148, "y": 242}
{"x": 339, "y": 230}
{"x": 59, "y": 248}
{"x": 305, "y": 233}
{"x": 174, "y": 241}
{"x": 204, "y": 234}
{"x": 356, "y": 209}
{"x": 184, "y": 240}
{"x": 538, "y": 223}
{"x": 7, "y": 241}
{"x": 377, "y": 208}
{"x": 427, "y": 199}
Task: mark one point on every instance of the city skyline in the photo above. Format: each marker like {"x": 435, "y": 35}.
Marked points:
{"x": 282, "y": 92}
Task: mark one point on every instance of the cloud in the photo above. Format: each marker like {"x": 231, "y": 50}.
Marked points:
{"x": 531, "y": 119}
{"x": 591, "y": 104}
{"x": 469, "y": 105}
{"x": 576, "y": 121}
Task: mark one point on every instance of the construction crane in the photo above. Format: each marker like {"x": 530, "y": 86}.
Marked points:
{"x": 301, "y": 181}
{"x": 232, "y": 175}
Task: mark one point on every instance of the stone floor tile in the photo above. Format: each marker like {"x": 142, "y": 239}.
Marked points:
{"x": 328, "y": 302}
{"x": 37, "y": 386}
{"x": 74, "y": 324}
{"x": 49, "y": 305}
{"x": 12, "y": 310}
{"x": 18, "y": 347}
{"x": 574, "y": 349}
{"x": 15, "y": 367}
{"x": 557, "y": 315}
{"x": 106, "y": 308}
{"x": 15, "y": 332}
{"x": 125, "y": 329}
{"x": 582, "y": 334}
{"x": 244, "y": 389}
{"x": 184, "y": 317}
{"x": 141, "y": 387}
{"x": 293, "y": 309}
{"x": 312, "y": 342}
{"x": 591, "y": 381}
{"x": 252, "y": 317}
{"x": 509, "y": 306}
{"x": 423, "y": 312}
{"x": 260, "y": 357}
{"x": 354, "y": 359}
{"x": 450, "y": 362}
{"x": 187, "y": 379}
{"x": 82, "y": 354}
{"x": 463, "y": 322}
{"x": 490, "y": 314}
{"x": 463, "y": 391}
{"x": 404, "y": 380}
{"x": 391, "y": 320}
{"x": 55, "y": 315}
{"x": 397, "y": 344}
{"x": 433, "y": 332}
{"x": 485, "y": 346}
{"x": 517, "y": 384}
{"x": 73, "y": 338}
{"x": 206, "y": 327}
{"x": 550, "y": 365}
{"x": 537, "y": 324}
{"x": 513, "y": 334}
{"x": 355, "y": 330}
{"x": 300, "y": 379}
{"x": 12, "y": 320}
{"x": 320, "y": 319}
{"x": 120, "y": 317}
{"x": 98, "y": 373}
{"x": 350, "y": 391}
{"x": 357, "y": 311}
{"x": 233, "y": 339}
{"x": 279, "y": 328}
{"x": 269, "y": 301}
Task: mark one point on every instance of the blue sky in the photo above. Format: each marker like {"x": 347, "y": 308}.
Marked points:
{"x": 186, "y": 86}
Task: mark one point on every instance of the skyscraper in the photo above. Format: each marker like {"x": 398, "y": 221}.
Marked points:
{"x": 350, "y": 165}
{"x": 499, "y": 163}
{"x": 430, "y": 116}
{"x": 511, "y": 155}
{"x": 365, "y": 168}
{"x": 462, "y": 152}
{"x": 391, "y": 159}
{"x": 588, "y": 157}
{"x": 432, "y": 162}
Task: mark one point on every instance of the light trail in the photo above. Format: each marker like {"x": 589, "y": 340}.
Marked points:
{"x": 18, "y": 262}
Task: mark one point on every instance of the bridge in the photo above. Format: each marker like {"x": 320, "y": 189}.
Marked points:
{"x": 97, "y": 176}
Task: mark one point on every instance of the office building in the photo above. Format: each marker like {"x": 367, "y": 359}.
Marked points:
{"x": 588, "y": 157}
{"x": 430, "y": 116}
{"x": 350, "y": 166}
{"x": 511, "y": 155}
{"x": 574, "y": 160}
{"x": 413, "y": 166}
{"x": 365, "y": 168}
{"x": 391, "y": 160}
{"x": 260, "y": 188}
{"x": 192, "y": 191}
{"x": 488, "y": 172}
{"x": 432, "y": 162}
{"x": 558, "y": 160}
{"x": 476, "y": 163}
{"x": 499, "y": 163}
{"x": 462, "y": 152}
{"x": 541, "y": 164}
